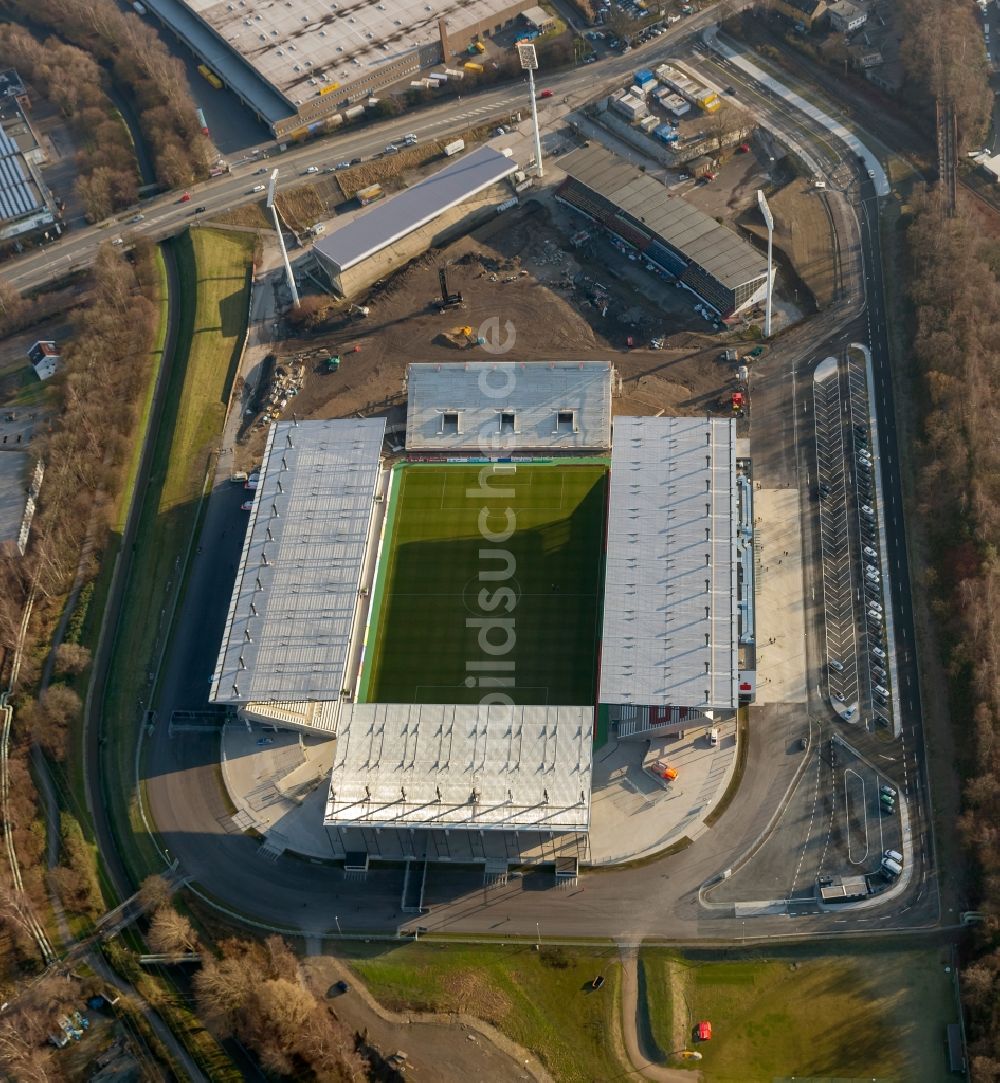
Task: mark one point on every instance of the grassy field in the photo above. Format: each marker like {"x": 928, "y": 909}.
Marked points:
{"x": 878, "y": 1014}
{"x": 441, "y": 573}
{"x": 541, "y": 1000}
{"x": 214, "y": 276}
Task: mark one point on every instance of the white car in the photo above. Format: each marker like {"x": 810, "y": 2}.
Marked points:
{"x": 257, "y": 188}
{"x": 137, "y": 218}
{"x": 343, "y": 165}
{"x": 869, "y": 552}
{"x": 311, "y": 169}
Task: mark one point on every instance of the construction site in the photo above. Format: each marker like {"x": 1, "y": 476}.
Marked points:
{"x": 513, "y": 285}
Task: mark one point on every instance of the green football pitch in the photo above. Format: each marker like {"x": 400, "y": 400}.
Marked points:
{"x": 459, "y": 602}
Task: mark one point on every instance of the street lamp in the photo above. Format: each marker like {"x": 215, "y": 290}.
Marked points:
{"x": 538, "y": 936}
{"x": 529, "y": 63}
{"x": 765, "y": 210}
{"x": 336, "y": 918}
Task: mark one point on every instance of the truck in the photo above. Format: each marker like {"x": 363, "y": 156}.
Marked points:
{"x": 206, "y": 73}
{"x": 370, "y": 194}
{"x": 456, "y": 146}
{"x": 202, "y": 122}
{"x": 472, "y": 65}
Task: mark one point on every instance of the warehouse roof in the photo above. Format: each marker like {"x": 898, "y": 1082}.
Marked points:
{"x": 303, "y": 47}
{"x": 415, "y": 207}
{"x": 509, "y": 405}
{"x": 190, "y": 24}
{"x": 19, "y": 195}
{"x": 293, "y": 606}
{"x": 491, "y": 767}
{"x": 725, "y": 256}
{"x": 670, "y": 595}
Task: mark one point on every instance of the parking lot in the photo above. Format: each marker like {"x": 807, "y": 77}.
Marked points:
{"x": 836, "y": 824}
{"x": 853, "y": 591}
{"x": 838, "y": 586}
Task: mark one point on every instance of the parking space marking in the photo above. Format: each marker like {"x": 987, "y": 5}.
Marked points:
{"x": 848, "y": 772}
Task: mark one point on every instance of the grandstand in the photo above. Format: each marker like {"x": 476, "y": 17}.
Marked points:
{"x": 672, "y": 236}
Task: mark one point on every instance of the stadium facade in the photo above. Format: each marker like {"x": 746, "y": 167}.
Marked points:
{"x": 668, "y": 232}
{"x": 490, "y": 780}
{"x": 296, "y": 65}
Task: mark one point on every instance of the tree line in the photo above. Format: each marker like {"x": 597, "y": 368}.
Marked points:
{"x": 954, "y": 287}
{"x": 85, "y": 445}
{"x": 107, "y": 175}
{"x": 141, "y": 65}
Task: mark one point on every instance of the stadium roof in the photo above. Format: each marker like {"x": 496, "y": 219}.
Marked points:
{"x": 670, "y": 596}
{"x": 728, "y": 258}
{"x": 293, "y": 607}
{"x": 409, "y": 210}
{"x": 482, "y": 396}
{"x": 300, "y": 48}
{"x": 489, "y": 767}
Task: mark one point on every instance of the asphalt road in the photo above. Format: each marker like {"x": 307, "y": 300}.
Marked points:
{"x": 657, "y": 900}
{"x": 164, "y": 215}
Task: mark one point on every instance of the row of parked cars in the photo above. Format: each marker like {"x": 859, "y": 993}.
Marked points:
{"x": 874, "y": 614}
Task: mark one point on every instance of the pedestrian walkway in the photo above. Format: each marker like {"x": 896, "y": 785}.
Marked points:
{"x": 781, "y": 627}
{"x": 633, "y": 815}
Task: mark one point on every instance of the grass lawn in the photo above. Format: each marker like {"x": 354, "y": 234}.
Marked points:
{"x": 543, "y": 1000}
{"x": 214, "y": 304}
{"x": 877, "y": 1014}
{"x": 541, "y": 572}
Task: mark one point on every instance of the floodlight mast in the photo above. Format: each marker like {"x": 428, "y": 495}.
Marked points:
{"x": 765, "y": 210}
{"x": 272, "y": 190}
{"x": 529, "y": 63}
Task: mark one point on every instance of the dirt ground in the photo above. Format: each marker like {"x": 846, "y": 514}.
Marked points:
{"x": 520, "y": 286}
{"x": 803, "y": 234}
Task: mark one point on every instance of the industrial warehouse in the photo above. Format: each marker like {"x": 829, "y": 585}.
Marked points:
{"x": 352, "y": 617}
{"x": 448, "y": 202}
{"x": 296, "y": 65}
{"x": 722, "y": 269}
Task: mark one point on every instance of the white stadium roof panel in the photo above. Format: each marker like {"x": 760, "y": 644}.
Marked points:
{"x": 414, "y": 207}
{"x": 490, "y": 767}
{"x": 292, "y": 612}
{"x": 670, "y": 601}
{"x": 509, "y": 406}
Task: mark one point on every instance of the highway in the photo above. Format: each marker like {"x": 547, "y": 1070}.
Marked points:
{"x": 660, "y": 900}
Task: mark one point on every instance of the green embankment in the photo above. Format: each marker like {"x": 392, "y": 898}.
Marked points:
{"x": 542, "y": 1000}
{"x": 877, "y": 1013}
{"x": 458, "y": 552}
{"x": 214, "y": 274}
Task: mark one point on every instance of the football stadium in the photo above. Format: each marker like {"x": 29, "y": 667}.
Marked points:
{"x": 465, "y": 622}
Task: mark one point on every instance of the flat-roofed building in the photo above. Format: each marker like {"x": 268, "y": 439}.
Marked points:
{"x": 25, "y": 204}
{"x": 404, "y": 226}
{"x": 488, "y": 407}
{"x": 293, "y": 617}
{"x": 711, "y": 260}
{"x": 297, "y": 64}
{"x": 670, "y": 637}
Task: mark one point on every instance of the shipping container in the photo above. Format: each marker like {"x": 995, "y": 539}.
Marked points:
{"x": 455, "y": 147}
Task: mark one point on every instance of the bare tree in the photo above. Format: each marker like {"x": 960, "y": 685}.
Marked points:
{"x": 71, "y": 658}
{"x": 171, "y": 933}
{"x": 154, "y": 892}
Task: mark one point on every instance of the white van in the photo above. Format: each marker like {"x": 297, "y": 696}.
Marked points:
{"x": 880, "y": 691}
{"x": 713, "y": 737}
{"x": 893, "y": 868}
{"x": 894, "y": 855}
